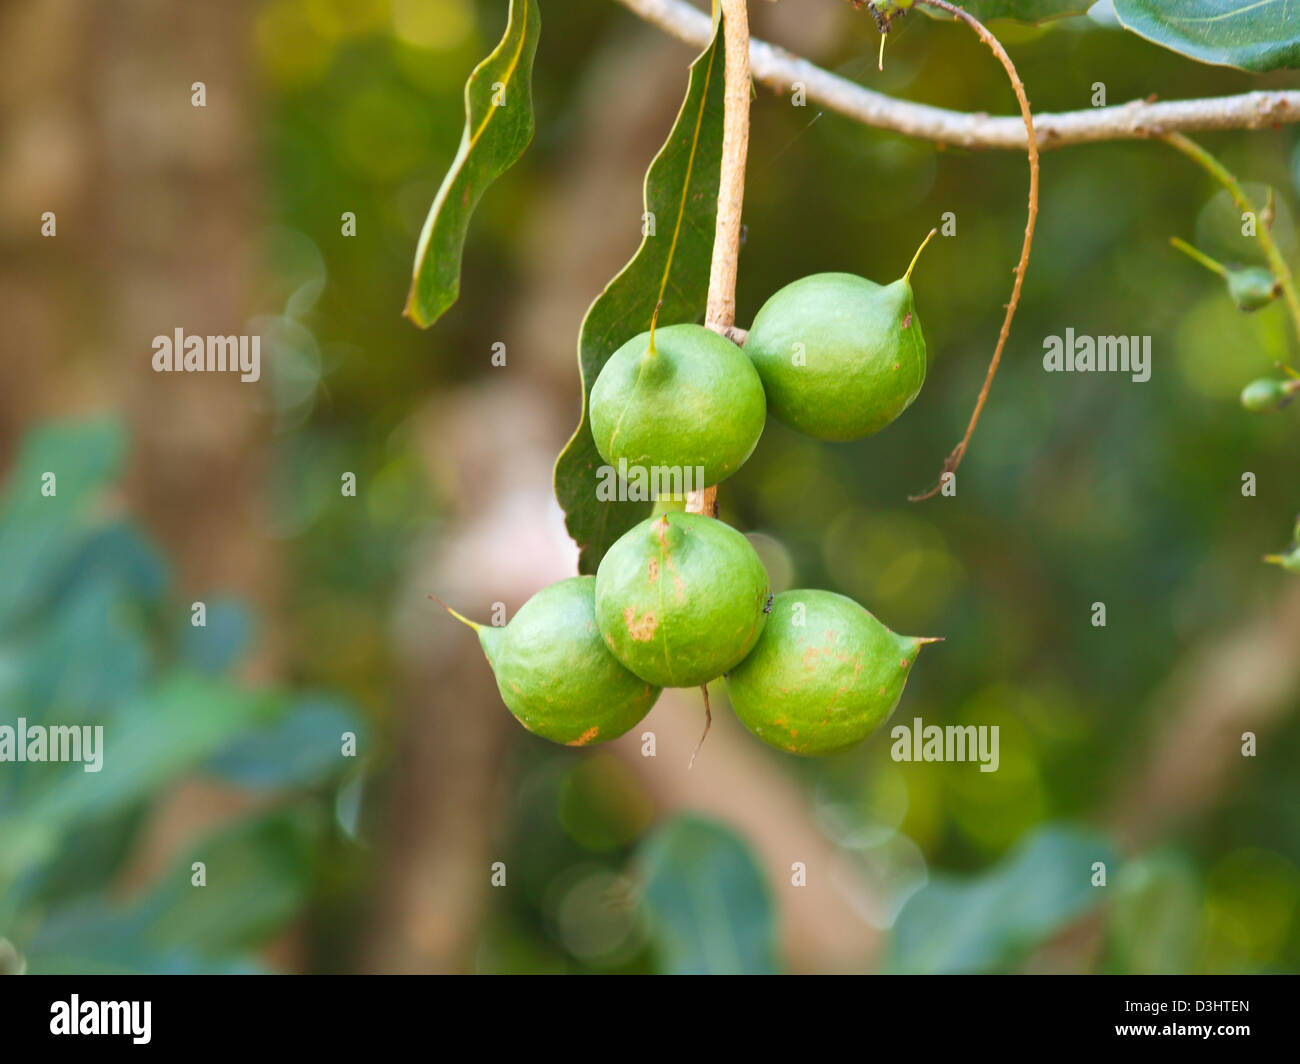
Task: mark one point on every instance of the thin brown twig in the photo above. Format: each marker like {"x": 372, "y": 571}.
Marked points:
{"x": 708, "y": 723}
{"x": 954, "y": 459}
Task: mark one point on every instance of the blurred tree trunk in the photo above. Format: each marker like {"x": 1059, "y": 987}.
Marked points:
{"x": 156, "y": 203}
{"x": 44, "y": 146}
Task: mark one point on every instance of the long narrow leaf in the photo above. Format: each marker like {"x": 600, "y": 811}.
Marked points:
{"x": 498, "y": 126}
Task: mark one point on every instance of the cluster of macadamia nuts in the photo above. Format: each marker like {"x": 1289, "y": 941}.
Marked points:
{"x": 683, "y": 598}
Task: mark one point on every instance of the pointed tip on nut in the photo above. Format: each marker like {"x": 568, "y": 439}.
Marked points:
{"x": 460, "y": 617}
{"x": 907, "y": 277}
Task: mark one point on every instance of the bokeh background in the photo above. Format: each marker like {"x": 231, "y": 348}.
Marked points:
{"x": 1119, "y": 744}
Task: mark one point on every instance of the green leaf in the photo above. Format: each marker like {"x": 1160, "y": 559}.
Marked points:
{"x": 707, "y": 899}
{"x": 151, "y": 740}
{"x": 988, "y": 922}
{"x": 258, "y": 876}
{"x": 681, "y": 196}
{"x": 88, "y": 858}
{"x": 257, "y": 879}
{"x": 88, "y": 655}
{"x": 218, "y": 645}
{"x": 1260, "y": 35}
{"x": 498, "y": 126}
{"x": 303, "y": 747}
{"x": 1032, "y": 11}
{"x": 39, "y": 533}
{"x": 120, "y": 552}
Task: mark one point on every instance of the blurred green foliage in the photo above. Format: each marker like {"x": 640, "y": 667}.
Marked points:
{"x": 90, "y": 638}
{"x": 989, "y": 922}
{"x": 710, "y": 907}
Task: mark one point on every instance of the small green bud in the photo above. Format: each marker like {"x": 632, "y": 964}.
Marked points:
{"x": 1252, "y": 287}
{"x": 1265, "y": 395}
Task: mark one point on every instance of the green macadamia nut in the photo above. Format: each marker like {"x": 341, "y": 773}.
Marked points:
{"x": 679, "y": 397}
{"x": 823, "y": 675}
{"x": 555, "y": 673}
{"x": 680, "y": 599}
{"x": 840, "y": 356}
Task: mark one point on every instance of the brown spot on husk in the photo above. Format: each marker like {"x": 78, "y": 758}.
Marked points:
{"x": 654, "y": 570}
{"x": 585, "y": 737}
{"x": 641, "y": 631}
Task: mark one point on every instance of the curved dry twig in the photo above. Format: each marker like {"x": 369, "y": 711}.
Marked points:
{"x": 954, "y": 459}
